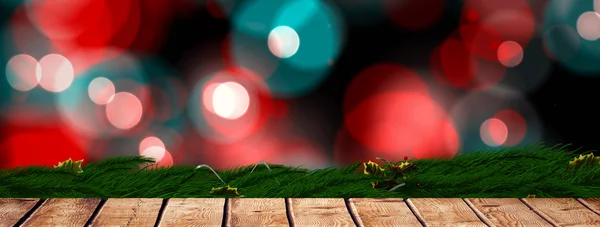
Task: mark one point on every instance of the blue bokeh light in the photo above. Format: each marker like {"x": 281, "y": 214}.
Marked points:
{"x": 321, "y": 35}
{"x": 567, "y": 12}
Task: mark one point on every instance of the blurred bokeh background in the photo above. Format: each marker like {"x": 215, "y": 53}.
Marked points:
{"x": 302, "y": 82}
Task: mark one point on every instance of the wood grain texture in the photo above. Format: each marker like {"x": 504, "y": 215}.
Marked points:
{"x": 563, "y": 211}
{"x": 592, "y": 204}
{"x": 128, "y": 212}
{"x": 444, "y": 212}
{"x": 12, "y": 210}
{"x": 257, "y": 212}
{"x": 319, "y": 212}
{"x": 193, "y": 212}
{"x": 63, "y": 212}
{"x": 382, "y": 212}
{"x": 506, "y": 212}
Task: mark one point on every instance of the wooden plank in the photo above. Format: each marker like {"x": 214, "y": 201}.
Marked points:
{"x": 592, "y": 204}
{"x": 257, "y": 212}
{"x": 128, "y": 212}
{"x": 319, "y": 212}
{"x": 382, "y": 212}
{"x": 563, "y": 211}
{"x": 63, "y": 212}
{"x": 505, "y": 212}
{"x": 193, "y": 212}
{"x": 444, "y": 212}
{"x": 12, "y": 210}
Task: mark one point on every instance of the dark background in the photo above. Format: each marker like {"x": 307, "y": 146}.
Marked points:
{"x": 567, "y": 102}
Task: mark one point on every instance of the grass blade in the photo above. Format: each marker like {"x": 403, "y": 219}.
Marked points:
{"x": 267, "y": 165}
{"x": 211, "y": 169}
{"x": 397, "y": 186}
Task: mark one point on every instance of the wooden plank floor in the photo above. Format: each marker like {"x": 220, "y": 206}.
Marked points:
{"x": 300, "y": 212}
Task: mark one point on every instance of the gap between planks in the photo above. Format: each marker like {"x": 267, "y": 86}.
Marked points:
{"x": 589, "y": 206}
{"x": 96, "y": 212}
{"x": 415, "y": 212}
{"x": 28, "y": 214}
{"x": 353, "y": 213}
{"x": 444, "y": 212}
{"x": 541, "y": 214}
{"x": 505, "y": 211}
{"x": 161, "y": 212}
{"x": 479, "y": 214}
{"x": 288, "y": 212}
{"x": 566, "y": 211}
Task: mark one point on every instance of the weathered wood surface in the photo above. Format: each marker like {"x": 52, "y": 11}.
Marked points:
{"x": 128, "y": 212}
{"x": 257, "y": 212}
{"x": 12, "y": 210}
{"x": 382, "y": 212}
{"x": 563, "y": 211}
{"x": 193, "y": 212}
{"x": 319, "y": 212}
{"x": 63, "y": 212}
{"x": 300, "y": 212}
{"x": 592, "y": 204}
{"x": 505, "y": 212}
{"x": 444, "y": 212}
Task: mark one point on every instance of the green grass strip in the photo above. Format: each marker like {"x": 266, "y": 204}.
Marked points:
{"x": 515, "y": 172}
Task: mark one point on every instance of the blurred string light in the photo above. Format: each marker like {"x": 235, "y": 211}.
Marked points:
{"x": 88, "y": 31}
{"x": 158, "y": 141}
{"x": 494, "y": 132}
{"x": 123, "y": 110}
{"x": 492, "y": 46}
{"x": 123, "y": 101}
{"x": 389, "y": 111}
{"x": 35, "y": 135}
{"x": 286, "y": 48}
{"x": 23, "y": 72}
{"x": 150, "y": 141}
{"x": 532, "y": 70}
{"x": 229, "y": 105}
{"x": 75, "y": 28}
{"x": 488, "y": 23}
{"x": 482, "y": 120}
{"x": 571, "y": 29}
{"x": 53, "y": 72}
{"x": 455, "y": 64}
{"x": 510, "y": 54}
{"x": 291, "y": 44}
{"x": 283, "y": 41}
{"x": 25, "y": 103}
{"x": 101, "y": 90}
{"x": 230, "y": 100}
{"x": 57, "y": 73}
{"x": 154, "y": 148}
{"x": 402, "y": 122}
{"x": 173, "y": 137}
{"x": 587, "y": 26}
